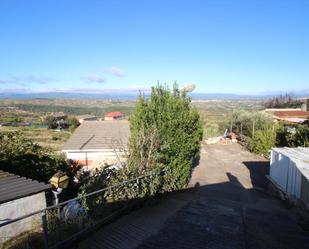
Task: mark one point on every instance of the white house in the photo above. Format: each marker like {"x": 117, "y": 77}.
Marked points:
{"x": 86, "y": 117}
{"x": 114, "y": 116}
{"x": 98, "y": 142}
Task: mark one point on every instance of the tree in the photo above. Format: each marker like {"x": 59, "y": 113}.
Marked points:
{"x": 263, "y": 141}
{"x": 165, "y": 134}
{"x": 73, "y": 123}
{"x": 244, "y": 122}
{"x": 302, "y": 136}
{"x": 294, "y": 135}
{"x": 51, "y": 122}
{"x": 283, "y": 101}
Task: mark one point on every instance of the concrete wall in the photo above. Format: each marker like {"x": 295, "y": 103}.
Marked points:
{"x": 285, "y": 173}
{"x": 14, "y": 209}
{"x": 109, "y": 118}
{"x": 88, "y": 157}
{"x": 113, "y": 118}
{"x": 290, "y": 173}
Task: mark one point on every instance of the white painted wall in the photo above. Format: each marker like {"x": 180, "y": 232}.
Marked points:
{"x": 19, "y": 207}
{"x": 289, "y": 169}
{"x": 96, "y": 158}
{"x": 90, "y": 155}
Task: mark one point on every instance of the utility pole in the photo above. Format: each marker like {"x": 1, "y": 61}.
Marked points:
{"x": 241, "y": 128}
{"x": 253, "y": 128}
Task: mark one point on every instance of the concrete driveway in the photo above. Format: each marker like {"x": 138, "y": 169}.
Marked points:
{"x": 226, "y": 207}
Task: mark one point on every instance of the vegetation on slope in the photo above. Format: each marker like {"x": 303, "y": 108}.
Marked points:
{"x": 44, "y": 137}
{"x": 283, "y": 101}
{"x": 75, "y": 110}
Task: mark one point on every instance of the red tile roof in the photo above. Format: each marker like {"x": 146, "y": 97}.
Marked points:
{"x": 114, "y": 114}
{"x": 291, "y": 114}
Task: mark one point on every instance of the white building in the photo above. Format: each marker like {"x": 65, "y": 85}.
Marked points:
{"x": 98, "y": 142}
{"x": 87, "y": 117}
{"x": 114, "y": 116}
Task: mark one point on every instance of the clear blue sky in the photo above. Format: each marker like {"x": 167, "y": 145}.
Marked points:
{"x": 229, "y": 46}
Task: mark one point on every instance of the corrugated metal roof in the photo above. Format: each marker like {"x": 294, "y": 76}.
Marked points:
{"x": 294, "y": 120}
{"x": 99, "y": 135}
{"x": 14, "y": 187}
{"x": 291, "y": 114}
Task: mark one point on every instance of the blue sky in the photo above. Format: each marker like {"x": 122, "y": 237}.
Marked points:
{"x": 229, "y": 46}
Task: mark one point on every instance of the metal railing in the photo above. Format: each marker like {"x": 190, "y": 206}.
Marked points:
{"x": 67, "y": 221}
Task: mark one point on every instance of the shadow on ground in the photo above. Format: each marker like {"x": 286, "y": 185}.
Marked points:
{"x": 258, "y": 171}
{"x": 214, "y": 216}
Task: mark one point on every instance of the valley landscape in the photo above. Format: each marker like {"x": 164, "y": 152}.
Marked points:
{"x": 33, "y": 111}
{"x": 154, "y": 124}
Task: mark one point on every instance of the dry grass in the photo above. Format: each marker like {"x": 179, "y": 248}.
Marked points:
{"x": 44, "y": 137}
{"x": 214, "y": 112}
{"x": 67, "y": 102}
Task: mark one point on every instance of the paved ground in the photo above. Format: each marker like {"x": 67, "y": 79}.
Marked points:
{"x": 229, "y": 209}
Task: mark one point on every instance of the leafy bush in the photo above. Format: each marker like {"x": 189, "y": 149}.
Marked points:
{"x": 293, "y": 135}
{"x": 246, "y": 122}
{"x": 165, "y": 134}
{"x": 301, "y": 137}
{"x": 51, "y": 122}
{"x": 73, "y": 123}
{"x": 21, "y": 156}
{"x": 263, "y": 141}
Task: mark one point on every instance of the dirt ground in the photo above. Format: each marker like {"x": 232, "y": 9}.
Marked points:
{"x": 225, "y": 206}
{"x": 218, "y": 161}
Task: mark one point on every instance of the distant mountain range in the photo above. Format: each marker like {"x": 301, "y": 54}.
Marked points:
{"x": 133, "y": 95}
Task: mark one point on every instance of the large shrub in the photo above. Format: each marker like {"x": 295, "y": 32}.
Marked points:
{"x": 293, "y": 135}
{"x": 51, "y": 122}
{"x": 165, "y": 134}
{"x": 301, "y": 137}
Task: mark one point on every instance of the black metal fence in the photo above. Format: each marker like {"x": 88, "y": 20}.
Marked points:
{"x": 62, "y": 224}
